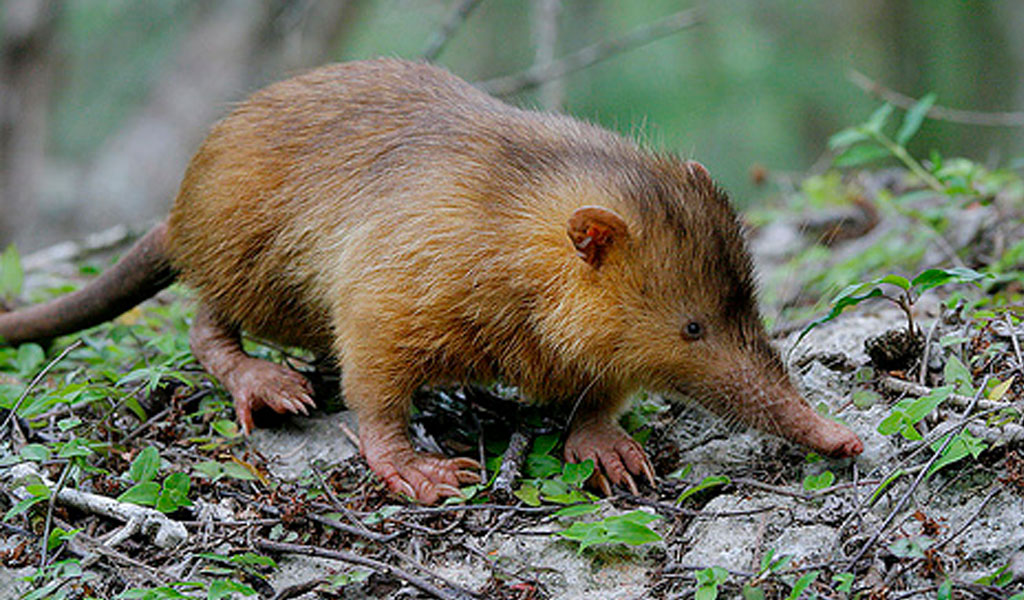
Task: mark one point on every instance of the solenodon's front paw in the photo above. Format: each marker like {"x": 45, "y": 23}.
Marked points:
{"x": 256, "y": 384}
{"x": 616, "y": 455}
{"x": 423, "y": 477}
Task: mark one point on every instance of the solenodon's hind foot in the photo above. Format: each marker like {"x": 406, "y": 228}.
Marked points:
{"x": 424, "y": 477}
{"x": 617, "y": 457}
{"x": 255, "y": 384}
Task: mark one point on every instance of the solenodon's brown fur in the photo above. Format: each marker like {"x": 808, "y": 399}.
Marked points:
{"x": 388, "y": 214}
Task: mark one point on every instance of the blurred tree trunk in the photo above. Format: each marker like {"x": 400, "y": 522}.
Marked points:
{"x": 26, "y": 71}
{"x": 545, "y": 33}
{"x": 229, "y": 50}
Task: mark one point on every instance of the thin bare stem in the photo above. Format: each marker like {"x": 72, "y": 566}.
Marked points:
{"x": 941, "y": 113}
{"x": 585, "y": 57}
{"x": 457, "y": 16}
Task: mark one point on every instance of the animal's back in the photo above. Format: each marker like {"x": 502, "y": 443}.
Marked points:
{"x": 321, "y": 191}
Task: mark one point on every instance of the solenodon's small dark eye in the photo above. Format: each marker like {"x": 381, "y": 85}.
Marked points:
{"x": 694, "y": 330}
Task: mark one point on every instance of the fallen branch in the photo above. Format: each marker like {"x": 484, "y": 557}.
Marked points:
{"x": 163, "y": 531}
{"x": 355, "y": 559}
{"x": 590, "y": 55}
{"x": 960, "y": 401}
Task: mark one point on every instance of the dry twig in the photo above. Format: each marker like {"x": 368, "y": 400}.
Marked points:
{"x": 455, "y": 19}
{"x": 355, "y": 559}
{"x": 590, "y": 55}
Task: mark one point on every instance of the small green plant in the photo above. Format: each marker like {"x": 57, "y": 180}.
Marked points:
{"x": 813, "y": 483}
{"x": 215, "y": 470}
{"x": 908, "y": 412}
{"x": 802, "y": 584}
{"x": 54, "y": 582}
{"x": 630, "y": 528}
{"x": 868, "y": 142}
{"x": 907, "y": 292}
{"x": 706, "y": 483}
{"x": 708, "y": 581}
{"x": 564, "y": 486}
{"x": 168, "y": 497}
{"x": 844, "y": 582}
{"x": 770, "y": 566}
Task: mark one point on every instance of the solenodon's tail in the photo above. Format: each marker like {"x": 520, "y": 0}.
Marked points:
{"x": 142, "y": 272}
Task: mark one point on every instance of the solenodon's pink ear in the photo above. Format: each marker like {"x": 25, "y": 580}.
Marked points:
{"x": 593, "y": 230}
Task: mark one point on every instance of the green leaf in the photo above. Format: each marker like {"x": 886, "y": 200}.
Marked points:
{"x": 628, "y": 532}
{"x": 708, "y": 581}
{"x": 846, "y": 137}
{"x": 850, "y": 296}
{"x": 877, "y": 120}
{"x": 23, "y": 505}
{"x": 210, "y": 469}
{"x": 999, "y": 390}
{"x": 174, "y": 493}
{"x": 575, "y": 510}
{"x": 845, "y": 581}
{"x": 586, "y": 534}
{"x": 35, "y": 452}
{"x": 145, "y": 466}
{"x": 861, "y": 154}
{"x": 29, "y": 358}
{"x": 920, "y": 408}
{"x": 58, "y": 536}
{"x": 237, "y": 471}
{"x": 529, "y": 494}
{"x": 12, "y": 276}
{"x": 911, "y": 547}
{"x": 77, "y": 447}
{"x": 544, "y": 444}
{"x": 932, "y": 278}
{"x": 896, "y": 280}
{"x": 819, "y": 481}
{"x": 885, "y": 484}
{"x": 913, "y": 119}
{"x": 945, "y": 591}
{"x": 999, "y": 578}
{"x": 251, "y": 559}
{"x": 891, "y": 424}
{"x": 962, "y": 446}
{"x": 630, "y": 528}
{"x": 957, "y": 373}
{"x": 540, "y": 466}
{"x": 226, "y": 428}
{"x": 802, "y": 584}
{"x": 706, "y": 483}
{"x": 222, "y": 589}
{"x": 752, "y": 593}
{"x": 577, "y": 473}
{"x": 864, "y": 399}
{"x": 144, "y": 494}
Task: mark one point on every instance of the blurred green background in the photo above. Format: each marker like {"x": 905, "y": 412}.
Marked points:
{"x": 131, "y": 86}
